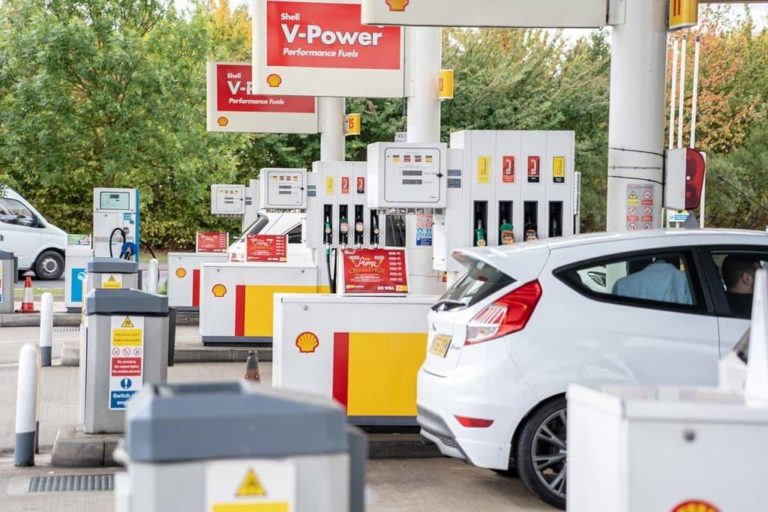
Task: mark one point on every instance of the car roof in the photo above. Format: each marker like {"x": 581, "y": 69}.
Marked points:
{"x": 703, "y": 236}
{"x": 502, "y": 257}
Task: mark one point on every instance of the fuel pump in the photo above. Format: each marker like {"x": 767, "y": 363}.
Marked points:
{"x": 116, "y": 223}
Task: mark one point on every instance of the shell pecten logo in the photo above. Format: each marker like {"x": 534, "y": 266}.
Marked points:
{"x": 181, "y": 272}
{"x": 219, "y": 290}
{"x": 696, "y": 506}
{"x": 307, "y": 342}
{"x": 397, "y": 5}
{"x": 222, "y": 121}
{"x": 274, "y": 80}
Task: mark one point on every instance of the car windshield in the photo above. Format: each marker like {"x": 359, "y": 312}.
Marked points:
{"x": 480, "y": 281}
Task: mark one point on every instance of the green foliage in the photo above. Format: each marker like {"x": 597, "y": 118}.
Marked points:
{"x": 109, "y": 93}
{"x": 737, "y": 184}
{"x": 112, "y": 93}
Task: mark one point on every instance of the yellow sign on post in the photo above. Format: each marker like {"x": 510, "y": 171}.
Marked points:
{"x": 447, "y": 84}
{"x": 354, "y": 124}
{"x": 683, "y": 14}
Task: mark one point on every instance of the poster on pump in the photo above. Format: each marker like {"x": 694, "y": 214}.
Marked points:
{"x": 487, "y": 13}
{"x": 321, "y": 48}
{"x": 233, "y": 106}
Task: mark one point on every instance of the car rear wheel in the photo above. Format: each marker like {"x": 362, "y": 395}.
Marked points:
{"x": 49, "y": 266}
{"x": 542, "y": 452}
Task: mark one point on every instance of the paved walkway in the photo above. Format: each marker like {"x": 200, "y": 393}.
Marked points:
{"x": 421, "y": 485}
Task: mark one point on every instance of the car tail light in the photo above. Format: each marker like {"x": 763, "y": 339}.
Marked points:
{"x": 507, "y": 315}
{"x": 474, "y": 422}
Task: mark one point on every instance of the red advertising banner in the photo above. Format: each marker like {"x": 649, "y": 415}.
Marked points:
{"x": 508, "y": 169}
{"x": 212, "y": 241}
{"x": 375, "y": 271}
{"x": 234, "y": 94}
{"x": 534, "y": 169}
{"x": 328, "y": 35}
{"x": 267, "y": 248}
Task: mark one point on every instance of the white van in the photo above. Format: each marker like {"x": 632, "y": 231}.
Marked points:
{"x": 38, "y": 244}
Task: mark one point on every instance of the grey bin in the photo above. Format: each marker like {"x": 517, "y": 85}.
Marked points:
{"x": 126, "y": 346}
{"x": 8, "y": 266}
{"x": 113, "y": 273}
{"x": 206, "y": 438}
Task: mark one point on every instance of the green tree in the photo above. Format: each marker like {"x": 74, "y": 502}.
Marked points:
{"x": 109, "y": 93}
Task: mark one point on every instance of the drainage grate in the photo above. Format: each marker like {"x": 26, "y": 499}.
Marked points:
{"x": 77, "y": 483}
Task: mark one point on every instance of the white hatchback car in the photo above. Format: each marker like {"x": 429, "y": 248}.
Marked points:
{"x": 525, "y": 321}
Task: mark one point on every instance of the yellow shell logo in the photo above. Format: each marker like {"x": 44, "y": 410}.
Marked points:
{"x": 397, "y": 5}
{"x": 696, "y": 506}
{"x": 307, "y": 342}
{"x": 222, "y": 121}
{"x": 219, "y": 290}
{"x": 274, "y": 80}
{"x": 181, "y": 272}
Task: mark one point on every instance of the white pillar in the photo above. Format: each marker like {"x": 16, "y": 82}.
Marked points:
{"x": 637, "y": 110}
{"x": 154, "y": 276}
{"x": 46, "y": 328}
{"x": 332, "y": 136}
{"x": 26, "y": 406}
{"x": 424, "y": 102}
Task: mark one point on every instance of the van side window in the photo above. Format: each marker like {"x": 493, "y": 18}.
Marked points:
{"x": 662, "y": 279}
{"x": 294, "y": 235}
{"x": 14, "y": 212}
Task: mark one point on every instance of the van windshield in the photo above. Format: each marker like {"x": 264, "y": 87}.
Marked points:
{"x": 480, "y": 281}
{"x": 255, "y": 228}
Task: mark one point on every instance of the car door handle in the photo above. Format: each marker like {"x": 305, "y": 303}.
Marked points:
{"x": 2, "y": 238}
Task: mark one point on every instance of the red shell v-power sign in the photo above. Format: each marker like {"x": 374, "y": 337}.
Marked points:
{"x": 328, "y": 36}
{"x": 321, "y": 48}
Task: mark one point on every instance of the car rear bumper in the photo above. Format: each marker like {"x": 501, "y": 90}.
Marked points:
{"x": 496, "y": 393}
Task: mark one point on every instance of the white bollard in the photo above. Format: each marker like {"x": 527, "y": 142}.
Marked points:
{"x": 26, "y": 406}
{"x": 154, "y": 275}
{"x": 46, "y": 328}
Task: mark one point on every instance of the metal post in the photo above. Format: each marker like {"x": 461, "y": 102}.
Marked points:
{"x": 683, "y": 55}
{"x": 694, "y": 119}
{"x": 154, "y": 276}
{"x": 332, "y": 137}
{"x": 695, "y": 103}
{"x": 46, "y": 328}
{"x": 26, "y": 406}
{"x": 637, "y": 109}
{"x": 673, "y": 93}
{"x": 424, "y": 101}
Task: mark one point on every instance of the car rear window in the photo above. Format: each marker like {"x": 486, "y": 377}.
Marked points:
{"x": 480, "y": 281}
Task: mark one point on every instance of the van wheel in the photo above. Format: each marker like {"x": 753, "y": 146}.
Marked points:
{"x": 49, "y": 266}
{"x": 542, "y": 452}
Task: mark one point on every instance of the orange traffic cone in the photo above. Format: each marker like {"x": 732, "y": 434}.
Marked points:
{"x": 28, "y": 302}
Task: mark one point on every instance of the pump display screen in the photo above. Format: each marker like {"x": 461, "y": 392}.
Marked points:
{"x": 412, "y": 175}
{"x": 115, "y": 201}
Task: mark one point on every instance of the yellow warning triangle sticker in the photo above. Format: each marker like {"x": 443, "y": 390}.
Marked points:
{"x": 251, "y": 486}
{"x": 111, "y": 279}
{"x": 127, "y": 323}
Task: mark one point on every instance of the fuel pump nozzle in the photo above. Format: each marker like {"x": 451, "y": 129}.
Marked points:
{"x": 359, "y": 229}
{"x": 375, "y": 230}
